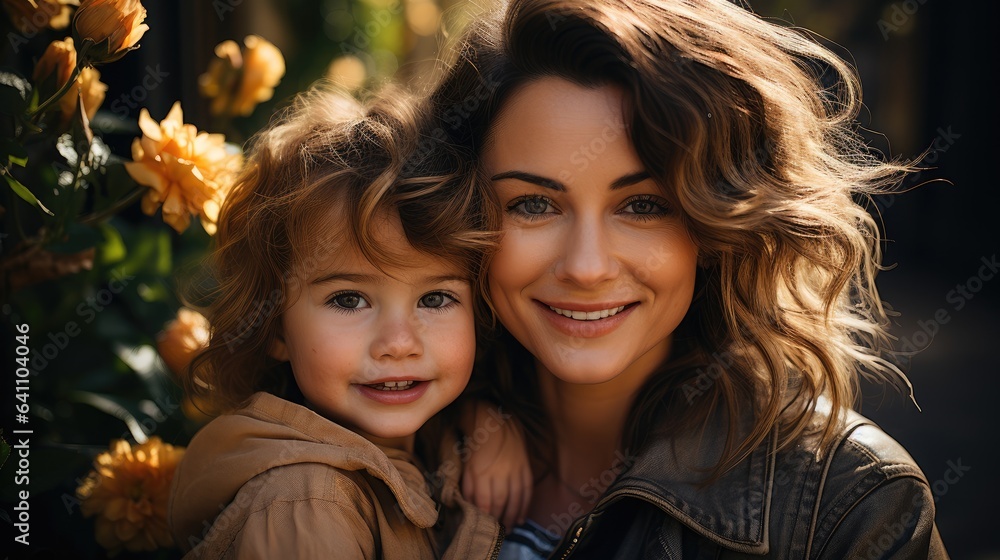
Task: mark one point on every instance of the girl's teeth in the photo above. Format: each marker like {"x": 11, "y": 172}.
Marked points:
{"x": 588, "y": 315}
{"x": 393, "y": 385}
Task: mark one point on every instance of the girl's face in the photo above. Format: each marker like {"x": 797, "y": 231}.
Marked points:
{"x": 595, "y": 270}
{"x": 380, "y": 352}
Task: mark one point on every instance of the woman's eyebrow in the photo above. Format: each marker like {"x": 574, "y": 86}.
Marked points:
{"x": 530, "y": 178}
{"x": 619, "y": 183}
{"x": 629, "y": 180}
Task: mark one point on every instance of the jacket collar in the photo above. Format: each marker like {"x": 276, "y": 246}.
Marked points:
{"x": 270, "y": 432}
{"x": 732, "y": 512}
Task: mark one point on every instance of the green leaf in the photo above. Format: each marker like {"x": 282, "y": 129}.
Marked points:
{"x": 116, "y": 406}
{"x": 23, "y": 192}
{"x": 13, "y": 152}
{"x": 113, "y": 248}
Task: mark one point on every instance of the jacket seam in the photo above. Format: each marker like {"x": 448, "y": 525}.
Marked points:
{"x": 881, "y": 473}
{"x": 338, "y": 504}
{"x": 861, "y": 498}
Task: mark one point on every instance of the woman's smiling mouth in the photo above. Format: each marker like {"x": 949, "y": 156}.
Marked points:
{"x": 588, "y": 315}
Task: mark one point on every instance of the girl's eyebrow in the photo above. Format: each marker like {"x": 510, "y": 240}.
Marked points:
{"x": 619, "y": 183}
{"x": 380, "y": 279}
{"x": 446, "y": 278}
{"x": 349, "y": 277}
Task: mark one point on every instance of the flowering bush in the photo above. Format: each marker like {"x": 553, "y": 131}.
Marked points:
{"x": 65, "y": 186}
{"x": 93, "y": 277}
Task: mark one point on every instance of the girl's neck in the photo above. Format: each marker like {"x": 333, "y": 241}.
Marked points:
{"x": 405, "y": 443}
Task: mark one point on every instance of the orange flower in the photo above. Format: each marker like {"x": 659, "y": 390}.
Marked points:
{"x": 238, "y": 80}
{"x": 91, "y": 88}
{"x": 187, "y": 171}
{"x": 182, "y": 338}
{"x": 128, "y": 492}
{"x": 107, "y": 29}
{"x": 56, "y": 65}
{"x": 30, "y": 16}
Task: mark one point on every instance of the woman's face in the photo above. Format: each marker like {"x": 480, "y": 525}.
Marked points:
{"x": 595, "y": 269}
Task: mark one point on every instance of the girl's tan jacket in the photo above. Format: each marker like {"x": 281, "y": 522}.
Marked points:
{"x": 276, "y": 480}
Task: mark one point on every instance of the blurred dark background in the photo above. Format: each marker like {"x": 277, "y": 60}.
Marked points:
{"x": 925, "y": 70}
{"x": 924, "y": 66}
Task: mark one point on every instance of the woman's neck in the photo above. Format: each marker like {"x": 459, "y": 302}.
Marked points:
{"x": 589, "y": 420}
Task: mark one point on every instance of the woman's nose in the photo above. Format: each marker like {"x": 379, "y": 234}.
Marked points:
{"x": 397, "y": 337}
{"x": 585, "y": 257}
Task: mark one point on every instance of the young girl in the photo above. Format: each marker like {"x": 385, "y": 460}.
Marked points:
{"x": 344, "y": 320}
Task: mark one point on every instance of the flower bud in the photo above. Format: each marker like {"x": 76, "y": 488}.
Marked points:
{"x": 107, "y": 29}
{"x": 52, "y": 71}
{"x": 55, "y": 67}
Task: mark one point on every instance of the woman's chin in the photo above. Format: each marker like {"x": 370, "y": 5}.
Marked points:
{"x": 583, "y": 371}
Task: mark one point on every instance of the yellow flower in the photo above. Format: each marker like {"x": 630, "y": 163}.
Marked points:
{"x": 128, "y": 492}
{"x": 187, "y": 171}
{"x": 107, "y": 29}
{"x": 30, "y": 16}
{"x": 91, "y": 88}
{"x": 238, "y": 80}
{"x": 182, "y": 338}
{"x": 56, "y": 66}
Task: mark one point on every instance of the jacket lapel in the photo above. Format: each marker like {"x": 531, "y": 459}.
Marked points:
{"x": 732, "y": 512}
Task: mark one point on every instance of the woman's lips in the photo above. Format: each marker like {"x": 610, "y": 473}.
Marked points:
{"x": 586, "y": 321}
{"x": 400, "y": 393}
{"x": 588, "y": 315}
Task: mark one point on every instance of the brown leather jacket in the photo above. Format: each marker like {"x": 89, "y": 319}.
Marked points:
{"x": 276, "y": 480}
{"x": 862, "y": 498}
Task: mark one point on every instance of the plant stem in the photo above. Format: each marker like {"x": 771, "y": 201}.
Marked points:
{"x": 96, "y": 217}
{"x": 58, "y": 95}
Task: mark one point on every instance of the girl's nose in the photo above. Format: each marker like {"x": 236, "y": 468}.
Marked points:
{"x": 398, "y": 337}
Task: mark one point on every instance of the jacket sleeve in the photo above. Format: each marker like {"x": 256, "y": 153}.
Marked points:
{"x": 893, "y": 521}
{"x": 307, "y": 529}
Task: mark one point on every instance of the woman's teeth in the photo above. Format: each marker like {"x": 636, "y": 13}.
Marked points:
{"x": 587, "y": 315}
{"x": 393, "y": 385}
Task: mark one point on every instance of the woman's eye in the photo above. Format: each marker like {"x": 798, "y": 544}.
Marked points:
{"x": 530, "y": 206}
{"x": 348, "y": 300}
{"x": 645, "y": 206}
{"x": 436, "y": 300}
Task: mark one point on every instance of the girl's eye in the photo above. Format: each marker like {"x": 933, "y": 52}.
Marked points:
{"x": 530, "y": 206}
{"x": 349, "y": 301}
{"x": 645, "y": 207}
{"x": 436, "y": 300}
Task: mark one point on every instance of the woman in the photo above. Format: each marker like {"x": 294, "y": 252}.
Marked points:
{"x": 685, "y": 283}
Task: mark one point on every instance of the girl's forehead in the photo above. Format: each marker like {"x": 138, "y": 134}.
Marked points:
{"x": 381, "y": 251}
